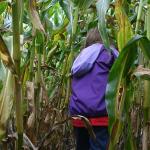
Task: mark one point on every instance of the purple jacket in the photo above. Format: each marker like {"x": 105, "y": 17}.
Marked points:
{"x": 89, "y": 78}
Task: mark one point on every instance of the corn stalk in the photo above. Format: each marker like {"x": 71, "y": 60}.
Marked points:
{"x": 70, "y": 57}
{"x": 146, "y": 104}
{"x": 16, "y": 9}
{"x": 139, "y": 16}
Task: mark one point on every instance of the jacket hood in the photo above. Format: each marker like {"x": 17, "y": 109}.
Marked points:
{"x": 85, "y": 60}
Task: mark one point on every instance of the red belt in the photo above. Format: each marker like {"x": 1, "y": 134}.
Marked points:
{"x": 99, "y": 121}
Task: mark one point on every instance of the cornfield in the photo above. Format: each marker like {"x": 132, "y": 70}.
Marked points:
{"x": 39, "y": 40}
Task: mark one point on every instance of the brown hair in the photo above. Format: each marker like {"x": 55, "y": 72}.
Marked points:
{"x": 93, "y": 36}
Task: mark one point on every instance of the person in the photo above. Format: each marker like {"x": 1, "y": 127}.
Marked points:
{"x": 89, "y": 79}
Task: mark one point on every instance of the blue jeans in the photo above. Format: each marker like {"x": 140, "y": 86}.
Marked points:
{"x": 85, "y": 142}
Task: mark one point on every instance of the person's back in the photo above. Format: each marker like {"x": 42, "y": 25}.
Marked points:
{"x": 89, "y": 79}
{"x": 88, "y": 90}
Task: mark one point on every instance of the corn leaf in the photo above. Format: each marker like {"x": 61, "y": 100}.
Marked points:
{"x": 102, "y": 7}
{"x": 3, "y": 6}
{"x": 2, "y": 75}
{"x": 130, "y": 142}
{"x": 66, "y": 7}
{"x": 116, "y": 88}
{"x": 6, "y": 103}
{"x": 2, "y": 71}
{"x": 35, "y": 19}
{"x": 87, "y": 125}
{"x": 51, "y": 4}
{"x": 145, "y": 47}
{"x": 61, "y": 29}
{"x": 125, "y": 32}
{"x": 143, "y": 73}
{"x": 5, "y": 56}
{"x": 84, "y": 4}
{"x": 148, "y": 20}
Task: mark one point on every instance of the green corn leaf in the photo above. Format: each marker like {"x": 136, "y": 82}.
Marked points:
{"x": 148, "y": 21}
{"x": 82, "y": 4}
{"x": 61, "y": 28}
{"x": 145, "y": 47}
{"x": 129, "y": 139}
{"x": 130, "y": 142}
{"x": 85, "y": 4}
{"x": 146, "y": 103}
{"x": 116, "y": 88}
{"x": 40, "y": 42}
{"x": 51, "y": 4}
{"x": 51, "y": 52}
{"x": 125, "y": 32}
{"x": 139, "y": 15}
{"x": 66, "y": 7}
{"x": 102, "y": 7}
{"x": 115, "y": 98}
{"x": 3, "y": 6}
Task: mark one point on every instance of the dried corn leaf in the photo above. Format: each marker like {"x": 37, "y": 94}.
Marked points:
{"x": 6, "y": 103}
{"x": 143, "y": 73}
{"x": 30, "y": 98}
{"x": 87, "y": 125}
{"x": 30, "y": 91}
{"x": 31, "y": 120}
{"x": 47, "y": 118}
{"x": 35, "y": 19}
